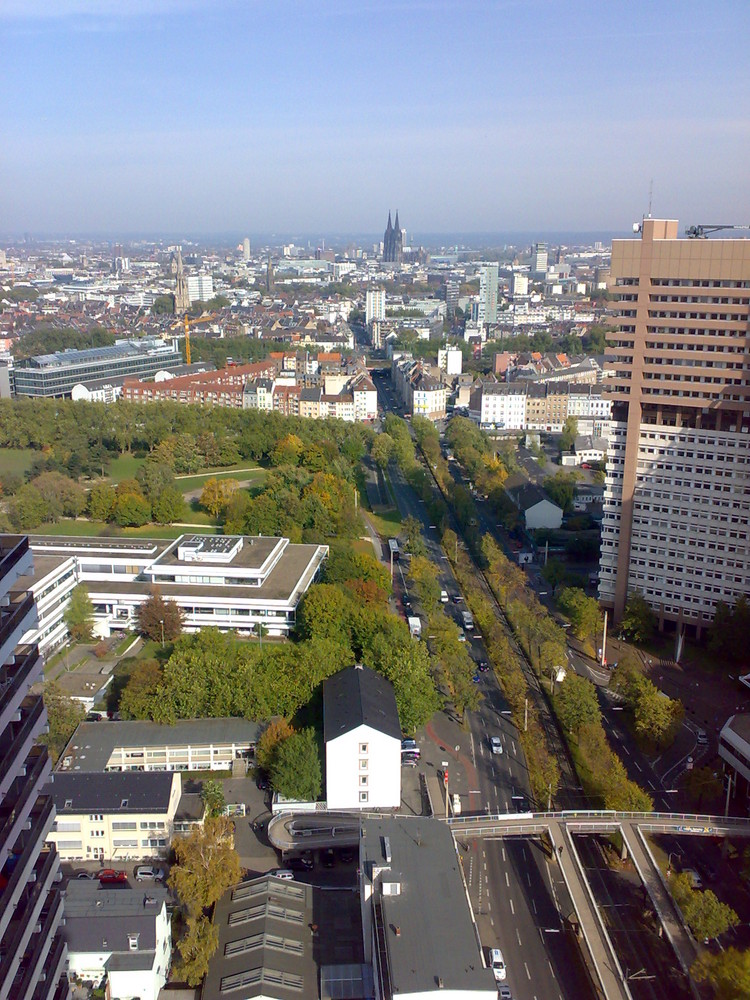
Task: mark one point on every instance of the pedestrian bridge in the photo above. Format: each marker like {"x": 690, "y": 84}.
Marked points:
{"x": 597, "y": 821}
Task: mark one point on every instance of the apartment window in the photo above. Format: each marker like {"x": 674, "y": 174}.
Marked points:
{"x": 133, "y": 942}
{"x": 363, "y": 779}
{"x": 96, "y": 818}
{"x": 363, "y": 796}
{"x": 364, "y": 747}
{"x": 363, "y": 765}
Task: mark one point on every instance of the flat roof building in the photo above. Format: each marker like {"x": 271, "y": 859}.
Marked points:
{"x": 231, "y": 582}
{"x": 419, "y": 930}
{"x": 676, "y": 503}
{"x": 56, "y": 374}
{"x": 188, "y": 745}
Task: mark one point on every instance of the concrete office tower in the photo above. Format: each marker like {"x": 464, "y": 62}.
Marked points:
{"x": 539, "y": 259}
{"x": 32, "y": 956}
{"x": 452, "y": 290}
{"x": 374, "y": 304}
{"x": 181, "y": 293}
{"x": 488, "y": 278}
{"x": 520, "y": 284}
{"x": 246, "y": 249}
{"x": 677, "y": 495}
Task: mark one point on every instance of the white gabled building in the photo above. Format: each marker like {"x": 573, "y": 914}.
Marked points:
{"x": 362, "y": 741}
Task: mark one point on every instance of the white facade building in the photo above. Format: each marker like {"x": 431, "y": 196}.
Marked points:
{"x": 374, "y": 304}
{"x": 200, "y": 287}
{"x": 362, "y": 741}
{"x": 450, "y": 360}
{"x": 500, "y": 405}
{"x": 119, "y": 936}
{"x": 487, "y": 305}
{"x": 232, "y": 582}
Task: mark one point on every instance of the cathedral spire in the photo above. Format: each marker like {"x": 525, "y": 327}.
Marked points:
{"x": 395, "y": 224}
{"x": 389, "y": 227}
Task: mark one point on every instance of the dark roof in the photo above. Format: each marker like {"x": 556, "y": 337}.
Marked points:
{"x": 436, "y": 938}
{"x": 529, "y": 496}
{"x": 357, "y": 696}
{"x": 87, "y": 792}
{"x": 94, "y": 915}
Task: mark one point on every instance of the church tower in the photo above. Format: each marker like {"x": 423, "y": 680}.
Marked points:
{"x": 181, "y": 294}
{"x": 393, "y": 242}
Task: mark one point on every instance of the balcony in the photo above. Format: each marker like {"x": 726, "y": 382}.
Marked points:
{"x": 16, "y": 677}
{"x": 33, "y": 907}
{"x": 19, "y": 801}
{"x": 27, "y": 850}
{"x": 42, "y": 951}
{"x": 17, "y": 739}
{"x": 12, "y": 550}
{"x": 16, "y": 618}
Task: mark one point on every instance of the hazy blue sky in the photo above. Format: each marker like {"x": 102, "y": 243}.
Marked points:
{"x": 279, "y": 115}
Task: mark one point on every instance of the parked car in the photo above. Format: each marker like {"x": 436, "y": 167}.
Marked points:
{"x": 299, "y": 864}
{"x": 496, "y": 744}
{"x": 461, "y": 636}
{"x": 282, "y": 873}
{"x": 483, "y": 666}
{"x": 408, "y": 744}
{"x": 457, "y": 598}
{"x": 261, "y": 781}
{"x": 145, "y": 873}
{"x": 443, "y": 596}
{"x": 701, "y": 738}
{"x": 503, "y": 993}
{"x": 110, "y": 876}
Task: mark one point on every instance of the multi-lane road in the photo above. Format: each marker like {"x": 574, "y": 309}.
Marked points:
{"x": 518, "y": 892}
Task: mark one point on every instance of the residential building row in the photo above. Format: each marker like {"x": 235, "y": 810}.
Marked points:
{"x": 229, "y": 582}
{"x": 423, "y": 388}
{"x": 542, "y": 406}
{"x": 314, "y": 393}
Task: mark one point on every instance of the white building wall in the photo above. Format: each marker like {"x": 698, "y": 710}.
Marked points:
{"x": 544, "y": 514}
{"x": 689, "y": 545}
{"x": 363, "y": 770}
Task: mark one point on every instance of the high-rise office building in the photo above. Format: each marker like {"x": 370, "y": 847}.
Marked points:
{"x": 393, "y": 242}
{"x": 200, "y": 287}
{"x": 374, "y": 304}
{"x": 246, "y": 249}
{"x": 452, "y": 291}
{"x": 677, "y": 495}
{"x": 32, "y": 955}
{"x": 539, "y": 259}
{"x": 488, "y": 278}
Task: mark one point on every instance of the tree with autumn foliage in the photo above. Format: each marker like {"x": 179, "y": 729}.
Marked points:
{"x": 159, "y": 619}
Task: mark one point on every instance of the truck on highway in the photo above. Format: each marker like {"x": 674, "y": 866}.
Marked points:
{"x": 468, "y": 620}
{"x": 415, "y": 626}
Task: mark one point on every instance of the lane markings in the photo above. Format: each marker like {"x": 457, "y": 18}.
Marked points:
{"x": 507, "y": 881}
{"x": 512, "y": 908}
{"x": 518, "y": 938}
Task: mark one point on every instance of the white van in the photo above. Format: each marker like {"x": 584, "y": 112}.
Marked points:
{"x": 497, "y": 964}
{"x": 443, "y": 596}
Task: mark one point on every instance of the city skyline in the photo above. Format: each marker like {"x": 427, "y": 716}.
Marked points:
{"x": 492, "y": 117}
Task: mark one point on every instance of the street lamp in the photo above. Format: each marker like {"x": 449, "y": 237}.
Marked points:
{"x": 162, "y": 633}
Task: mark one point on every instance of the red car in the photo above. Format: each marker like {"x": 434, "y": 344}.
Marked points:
{"x": 108, "y": 876}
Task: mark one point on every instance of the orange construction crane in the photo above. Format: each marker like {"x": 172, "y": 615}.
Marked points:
{"x": 186, "y": 322}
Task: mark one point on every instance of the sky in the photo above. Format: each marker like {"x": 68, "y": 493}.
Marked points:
{"x": 247, "y": 116}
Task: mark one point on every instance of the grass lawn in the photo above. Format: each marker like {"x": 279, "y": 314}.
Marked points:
{"x": 124, "y": 467}
{"x": 244, "y": 473}
{"x": 17, "y": 460}
{"x": 197, "y": 515}
{"x": 387, "y": 522}
{"x": 362, "y": 545}
{"x": 92, "y": 528}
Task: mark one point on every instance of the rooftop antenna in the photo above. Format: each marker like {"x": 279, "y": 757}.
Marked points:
{"x": 650, "y": 196}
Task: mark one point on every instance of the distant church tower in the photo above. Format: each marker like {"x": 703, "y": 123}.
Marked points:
{"x": 393, "y": 242}
{"x": 181, "y": 294}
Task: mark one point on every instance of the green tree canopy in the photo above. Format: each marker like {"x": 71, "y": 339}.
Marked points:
{"x": 638, "y": 620}
{"x": 295, "y": 769}
{"x": 576, "y": 703}
{"x": 79, "y": 615}
{"x": 212, "y": 794}
{"x": 139, "y": 694}
{"x": 582, "y": 611}
{"x": 206, "y": 864}
{"x": 728, "y": 972}
{"x": 63, "y": 716}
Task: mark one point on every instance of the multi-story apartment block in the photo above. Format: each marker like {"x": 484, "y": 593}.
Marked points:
{"x": 200, "y": 287}
{"x": 114, "y": 816}
{"x": 32, "y": 955}
{"x": 499, "y": 405}
{"x": 487, "y": 306}
{"x": 374, "y": 304}
{"x": 546, "y": 406}
{"x": 677, "y": 497}
{"x": 421, "y": 389}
